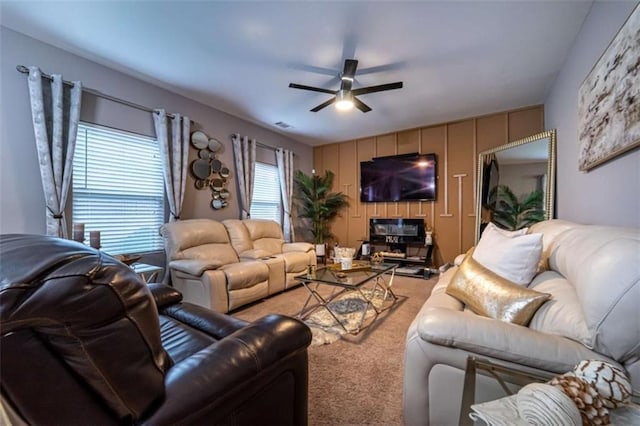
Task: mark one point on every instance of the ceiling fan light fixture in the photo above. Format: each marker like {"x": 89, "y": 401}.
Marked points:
{"x": 344, "y": 100}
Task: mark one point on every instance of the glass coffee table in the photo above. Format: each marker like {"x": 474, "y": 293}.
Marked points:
{"x": 367, "y": 280}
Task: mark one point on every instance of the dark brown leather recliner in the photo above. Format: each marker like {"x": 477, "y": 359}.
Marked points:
{"x": 84, "y": 341}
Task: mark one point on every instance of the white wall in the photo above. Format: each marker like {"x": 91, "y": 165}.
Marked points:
{"x": 610, "y": 193}
{"x": 22, "y": 208}
{"x": 522, "y": 178}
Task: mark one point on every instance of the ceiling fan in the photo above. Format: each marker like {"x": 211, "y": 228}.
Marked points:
{"x": 345, "y": 97}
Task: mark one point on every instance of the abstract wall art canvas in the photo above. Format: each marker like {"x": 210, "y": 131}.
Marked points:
{"x": 609, "y": 99}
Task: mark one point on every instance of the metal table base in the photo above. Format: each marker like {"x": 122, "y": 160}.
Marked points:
{"x": 379, "y": 282}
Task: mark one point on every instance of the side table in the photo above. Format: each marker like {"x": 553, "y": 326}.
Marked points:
{"x": 504, "y": 410}
{"x": 498, "y": 372}
{"x": 147, "y": 273}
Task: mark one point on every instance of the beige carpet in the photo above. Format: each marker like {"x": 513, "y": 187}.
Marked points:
{"x": 356, "y": 380}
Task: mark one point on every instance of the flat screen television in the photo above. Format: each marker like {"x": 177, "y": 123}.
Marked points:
{"x": 408, "y": 177}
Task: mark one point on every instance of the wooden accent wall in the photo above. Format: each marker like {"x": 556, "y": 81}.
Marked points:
{"x": 457, "y": 144}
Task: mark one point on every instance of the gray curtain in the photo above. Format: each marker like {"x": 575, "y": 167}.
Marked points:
{"x": 175, "y": 152}
{"x": 244, "y": 152}
{"x": 55, "y": 110}
{"x": 284, "y": 160}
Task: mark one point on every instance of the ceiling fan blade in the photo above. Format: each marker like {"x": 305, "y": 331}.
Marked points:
{"x": 361, "y": 105}
{"x": 345, "y": 85}
{"x": 324, "y": 105}
{"x": 313, "y": 89}
{"x": 350, "y": 66}
{"x": 380, "y": 88}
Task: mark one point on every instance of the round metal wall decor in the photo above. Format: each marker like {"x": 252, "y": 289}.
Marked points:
{"x": 214, "y": 145}
{"x": 204, "y": 154}
{"x": 208, "y": 171}
{"x": 201, "y": 168}
{"x": 199, "y": 139}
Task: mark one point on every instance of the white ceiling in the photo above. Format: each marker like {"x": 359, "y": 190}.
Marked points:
{"x": 456, "y": 59}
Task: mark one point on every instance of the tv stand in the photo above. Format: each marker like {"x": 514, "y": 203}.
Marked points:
{"x": 397, "y": 236}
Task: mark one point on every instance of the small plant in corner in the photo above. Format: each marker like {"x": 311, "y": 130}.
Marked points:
{"x": 317, "y": 203}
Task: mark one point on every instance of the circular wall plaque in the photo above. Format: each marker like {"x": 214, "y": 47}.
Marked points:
{"x": 214, "y": 144}
{"x": 217, "y": 185}
{"x": 216, "y": 165}
{"x": 199, "y": 139}
{"x": 205, "y": 154}
{"x": 201, "y": 168}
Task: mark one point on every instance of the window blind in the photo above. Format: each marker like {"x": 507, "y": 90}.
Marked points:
{"x": 266, "y": 193}
{"x": 118, "y": 189}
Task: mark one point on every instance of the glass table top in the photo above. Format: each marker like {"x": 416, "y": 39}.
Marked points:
{"x": 360, "y": 273}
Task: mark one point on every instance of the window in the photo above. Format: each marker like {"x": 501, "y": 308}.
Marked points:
{"x": 118, "y": 189}
{"x": 266, "y": 193}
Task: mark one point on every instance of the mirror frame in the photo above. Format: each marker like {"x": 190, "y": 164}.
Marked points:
{"x": 549, "y": 201}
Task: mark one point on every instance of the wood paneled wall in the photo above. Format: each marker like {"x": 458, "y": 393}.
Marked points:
{"x": 451, "y": 217}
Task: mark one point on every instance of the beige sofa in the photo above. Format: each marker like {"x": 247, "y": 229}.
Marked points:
{"x": 258, "y": 239}
{"x": 594, "y": 279}
{"x": 207, "y": 269}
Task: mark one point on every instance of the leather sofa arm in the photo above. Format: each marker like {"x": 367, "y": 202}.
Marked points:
{"x": 164, "y": 295}
{"x": 303, "y": 247}
{"x": 195, "y": 267}
{"x": 501, "y": 340}
{"x": 210, "y": 322}
{"x": 198, "y": 388}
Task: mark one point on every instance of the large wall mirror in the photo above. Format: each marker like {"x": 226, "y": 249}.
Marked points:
{"x": 516, "y": 183}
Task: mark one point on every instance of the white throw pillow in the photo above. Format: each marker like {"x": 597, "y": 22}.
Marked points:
{"x": 506, "y": 233}
{"x": 514, "y": 258}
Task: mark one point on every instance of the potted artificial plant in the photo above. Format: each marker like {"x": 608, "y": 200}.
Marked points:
{"x": 512, "y": 213}
{"x": 318, "y": 204}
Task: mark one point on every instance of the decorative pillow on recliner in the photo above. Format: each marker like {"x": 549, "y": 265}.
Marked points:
{"x": 490, "y": 295}
{"x": 510, "y": 255}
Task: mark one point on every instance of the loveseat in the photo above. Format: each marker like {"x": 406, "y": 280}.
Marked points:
{"x": 259, "y": 239}
{"x": 85, "y": 341}
{"x": 223, "y": 266}
{"x": 592, "y": 274}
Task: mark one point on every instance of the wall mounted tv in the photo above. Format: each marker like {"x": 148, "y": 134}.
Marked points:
{"x": 408, "y": 177}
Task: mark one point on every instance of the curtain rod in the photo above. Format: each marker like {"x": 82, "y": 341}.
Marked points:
{"x": 25, "y": 70}
{"x": 261, "y": 145}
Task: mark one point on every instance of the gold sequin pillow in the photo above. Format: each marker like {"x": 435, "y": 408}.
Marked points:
{"x": 488, "y": 294}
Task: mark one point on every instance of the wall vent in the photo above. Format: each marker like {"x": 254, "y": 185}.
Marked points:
{"x": 283, "y": 125}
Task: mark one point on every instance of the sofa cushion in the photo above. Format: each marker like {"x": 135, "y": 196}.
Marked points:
{"x": 550, "y": 229}
{"x": 490, "y": 295}
{"x": 562, "y": 315}
{"x": 245, "y": 274}
{"x": 183, "y": 235}
{"x": 262, "y": 228}
{"x": 239, "y": 235}
{"x": 255, "y": 254}
{"x": 255, "y": 234}
{"x": 272, "y": 246}
{"x": 295, "y": 262}
{"x": 223, "y": 253}
{"x": 514, "y": 258}
{"x": 603, "y": 264}
{"x": 302, "y": 247}
{"x": 501, "y": 340}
